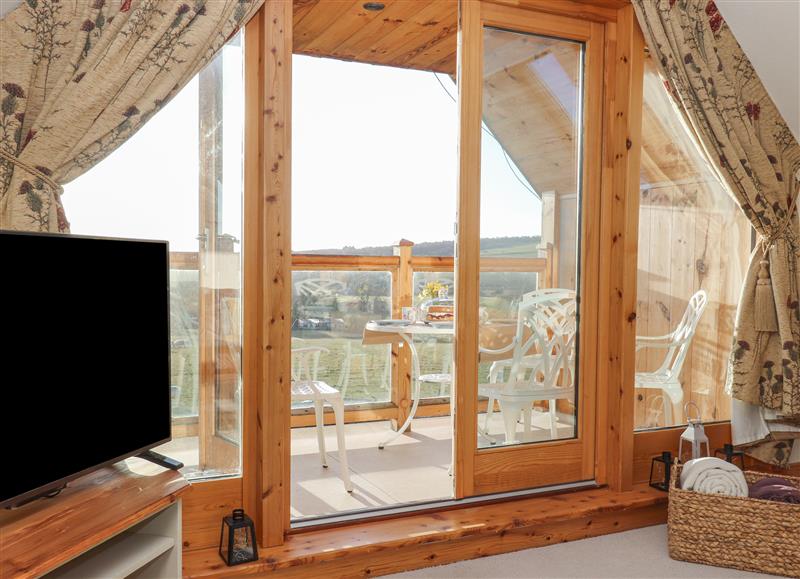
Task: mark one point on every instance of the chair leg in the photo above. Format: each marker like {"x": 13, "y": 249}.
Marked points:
{"x": 338, "y": 413}
{"x": 510, "y": 412}
{"x": 553, "y": 423}
{"x": 527, "y": 415}
{"x": 668, "y": 418}
{"x": 489, "y": 414}
{"x": 319, "y": 414}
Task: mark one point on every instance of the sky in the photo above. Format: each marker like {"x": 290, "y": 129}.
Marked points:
{"x": 374, "y": 160}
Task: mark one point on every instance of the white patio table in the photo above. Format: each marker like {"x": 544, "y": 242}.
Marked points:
{"x": 406, "y": 330}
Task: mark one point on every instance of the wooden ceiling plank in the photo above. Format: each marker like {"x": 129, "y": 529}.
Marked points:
{"x": 446, "y": 65}
{"x": 436, "y": 54}
{"x": 435, "y": 20}
{"x": 532, "y": 127}
{"x": 300, "y": 8}
{"x": 394, "y": 15}
{"x": 353, "y": 19}
{"x": 319, "y": 18}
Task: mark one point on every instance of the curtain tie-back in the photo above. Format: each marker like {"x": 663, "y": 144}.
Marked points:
{"x": 58, "y": 189}
{"x": 766, "y": 316}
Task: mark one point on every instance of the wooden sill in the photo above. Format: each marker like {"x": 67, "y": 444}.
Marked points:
{"x": 386, "y": 546}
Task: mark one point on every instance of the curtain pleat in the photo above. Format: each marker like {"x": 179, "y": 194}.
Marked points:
{"x": 80, "y": 77}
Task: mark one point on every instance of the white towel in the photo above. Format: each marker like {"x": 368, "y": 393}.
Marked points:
{"x": 713, "y": 476}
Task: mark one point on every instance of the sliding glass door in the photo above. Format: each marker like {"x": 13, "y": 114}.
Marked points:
{"x": 526, "y": 281}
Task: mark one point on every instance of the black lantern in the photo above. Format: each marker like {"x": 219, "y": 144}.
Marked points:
{"x": 660, "y": 471}
{"x": 729, "y": 453}
{"x": 237, "y": 539}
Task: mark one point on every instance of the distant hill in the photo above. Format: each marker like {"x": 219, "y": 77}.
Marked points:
{"x": 497, "y": 246}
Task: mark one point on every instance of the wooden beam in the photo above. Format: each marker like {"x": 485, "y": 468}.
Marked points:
{"x": 276, "y": 252}
{"x": 594, "y": 10}
{"x": 467, "y": 274}
{"x": 210, "y": 164}
{"x": 618, "y": 246}
{"x": 252, "y": 266}
{"x": 402, "y": 297}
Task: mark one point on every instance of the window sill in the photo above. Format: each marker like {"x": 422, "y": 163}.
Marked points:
{"x": 421, "y": 540}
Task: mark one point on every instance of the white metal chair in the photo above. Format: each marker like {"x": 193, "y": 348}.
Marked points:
{"x": 323, "y": 288}
{"x": 542, "y": 363}
{"x": 305, "y": 387}
{"x": 677, "y": 343}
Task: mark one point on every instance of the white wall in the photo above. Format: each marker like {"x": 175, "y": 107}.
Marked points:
{"x": 7, "y": 6}
{"x": 769, "y": 33}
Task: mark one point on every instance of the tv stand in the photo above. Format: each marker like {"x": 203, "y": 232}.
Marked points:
{"x": 111, "y": 523}
{"x": 51, "y": 494}
{"x": 161, "y": 460}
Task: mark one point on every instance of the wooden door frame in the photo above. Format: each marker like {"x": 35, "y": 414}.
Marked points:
{"x": 266, "y": 435}
{"x": 268, "y": 263}
{"x": 508, "y": 468}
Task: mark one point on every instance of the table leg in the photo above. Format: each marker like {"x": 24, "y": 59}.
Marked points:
{"x": 415, "y": 373}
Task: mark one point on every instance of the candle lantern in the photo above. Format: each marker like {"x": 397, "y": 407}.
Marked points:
{"x": 660, "y": 471}
{"x": 694, "y": 438}
{"x": 237, "y": 539}
{"x": 729, "y": 453}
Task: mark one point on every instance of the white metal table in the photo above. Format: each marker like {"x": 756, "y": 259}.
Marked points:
{"x": 406, "y": 331}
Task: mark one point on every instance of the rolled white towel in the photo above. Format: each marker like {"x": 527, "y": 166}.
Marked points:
{"x": 713, "y": 476}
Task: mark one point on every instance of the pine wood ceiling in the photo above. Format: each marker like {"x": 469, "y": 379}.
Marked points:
{"x": 406, "y": 33}
{"x": 522, "y": 111}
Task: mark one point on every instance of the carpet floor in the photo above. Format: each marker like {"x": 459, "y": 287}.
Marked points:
{"x": 640, "y": 554}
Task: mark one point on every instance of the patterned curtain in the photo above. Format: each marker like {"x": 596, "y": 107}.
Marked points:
{"x": 79, "y": 77}
{"x": 747, "y": 140}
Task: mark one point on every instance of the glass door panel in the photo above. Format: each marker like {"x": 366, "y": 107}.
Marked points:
{"x": 530, "y": 97}
{"x": 531, "y": 145}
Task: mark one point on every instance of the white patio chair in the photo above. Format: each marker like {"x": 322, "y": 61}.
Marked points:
{"x": 542, "y": 363}
{"x": 677, "y": 343}
{"x": 320, "y": 288}
{"x": 305, "y": 387}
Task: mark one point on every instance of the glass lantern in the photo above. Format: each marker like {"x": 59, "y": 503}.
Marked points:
{"x": 694, "y": 438}
{"x": 660, "y": 471}
{"x": 237, "y": 539}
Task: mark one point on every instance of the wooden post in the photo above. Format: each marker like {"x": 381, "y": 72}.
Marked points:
{"x": 274, "y": 298}
{"x": 618, "y": 249}
{"x": 402, "y": 297}
{"x": 252, "y": 266}
{"x": 467, "y": 267}
{"x": 210, "y": 156}
{"x": 550, "y": 235}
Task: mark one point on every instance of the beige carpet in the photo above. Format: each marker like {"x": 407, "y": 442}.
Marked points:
{"x": 637, "y": 554}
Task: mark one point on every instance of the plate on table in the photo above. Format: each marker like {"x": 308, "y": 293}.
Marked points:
{"x": 390, "y": 323}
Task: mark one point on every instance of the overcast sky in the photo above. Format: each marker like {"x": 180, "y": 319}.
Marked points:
{"x": 374, "y": 160}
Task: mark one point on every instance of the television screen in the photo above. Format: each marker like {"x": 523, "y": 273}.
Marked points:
{"x": 84, "y": 356}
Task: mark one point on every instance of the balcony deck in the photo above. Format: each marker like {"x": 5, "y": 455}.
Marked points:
{"x": 412, "y": 469}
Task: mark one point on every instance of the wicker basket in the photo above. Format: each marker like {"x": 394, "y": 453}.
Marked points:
{"x": 741, "y": 533}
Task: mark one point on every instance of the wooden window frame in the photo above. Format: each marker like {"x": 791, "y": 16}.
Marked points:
{"x": 264, "y": 486}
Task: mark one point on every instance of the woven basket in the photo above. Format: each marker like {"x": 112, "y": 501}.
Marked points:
{"x": 741, "y": 533}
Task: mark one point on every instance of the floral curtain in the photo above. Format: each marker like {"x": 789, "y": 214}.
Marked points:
{"x": 79, "y": 77}
{"x": 747, "y": 140}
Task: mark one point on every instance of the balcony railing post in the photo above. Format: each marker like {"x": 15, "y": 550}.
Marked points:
{"x": 402, "y": 296}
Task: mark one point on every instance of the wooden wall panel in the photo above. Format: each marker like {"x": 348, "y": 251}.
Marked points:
{"x": 203, "y": 508}
{"x": 691, "y": 237}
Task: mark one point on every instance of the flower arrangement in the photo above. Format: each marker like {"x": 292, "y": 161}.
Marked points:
{"x": 432, "y": 290}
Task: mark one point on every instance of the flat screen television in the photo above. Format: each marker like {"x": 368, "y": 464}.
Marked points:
{"x": 84, "y": 356}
